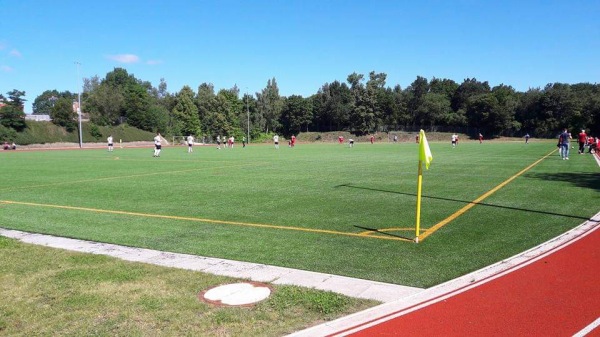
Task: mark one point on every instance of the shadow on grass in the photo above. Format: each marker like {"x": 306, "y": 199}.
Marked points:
{"x": 375, "y": 230}
{"x": 468, "y": 202}
{"x": 585, "y": 180}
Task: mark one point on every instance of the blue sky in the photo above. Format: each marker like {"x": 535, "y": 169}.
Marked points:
{"x": 303, "y": 44}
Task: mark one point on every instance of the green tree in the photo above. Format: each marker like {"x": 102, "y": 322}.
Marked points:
{"x": 270, "y": 105}
{"x": 297, "y": 112}
{"x": 62, "y": 114}
{"x": 12, "y": 115}
{"x": 186, "y": 112}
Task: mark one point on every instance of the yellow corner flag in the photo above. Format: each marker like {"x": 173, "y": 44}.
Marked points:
{"x": 424, "y": 157}
{"x": 424, "y": 151}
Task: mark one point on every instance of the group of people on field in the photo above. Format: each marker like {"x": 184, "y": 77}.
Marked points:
{"x": 7, "y": 146}
{"x": 583, "y": 140}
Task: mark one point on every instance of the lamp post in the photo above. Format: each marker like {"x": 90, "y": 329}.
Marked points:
{"x": 248, "y": 113}
{"x": 79, "y": 105}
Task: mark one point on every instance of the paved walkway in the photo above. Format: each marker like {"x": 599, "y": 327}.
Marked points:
{"x": 352, "y": 287}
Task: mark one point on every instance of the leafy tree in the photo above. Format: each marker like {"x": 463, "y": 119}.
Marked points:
{"x": 270, "y": 105}
{"x": 186, "y": 112}
{"x": 44, "y": 102}
{"x": 62, "y": 114}
{"x": 206, "y": 100}
{"x": 297, "y": 112}
{"x": 332, "y": 105}
{"x": 416, "y": 93}
{"x": 14, "y": 97}
{"x": 470, "y": 87}
{"x": 12, "y": 117}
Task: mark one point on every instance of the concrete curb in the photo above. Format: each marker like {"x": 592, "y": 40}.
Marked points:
{"x": 383, "y": 292}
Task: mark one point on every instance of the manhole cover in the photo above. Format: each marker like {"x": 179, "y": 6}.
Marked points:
{"x": 236, "y": 294}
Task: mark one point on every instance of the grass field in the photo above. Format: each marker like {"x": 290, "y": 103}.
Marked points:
{"x": 319, "y": 207}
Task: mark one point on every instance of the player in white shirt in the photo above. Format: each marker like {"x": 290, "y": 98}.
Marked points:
{"x": 157, "y": 145}
{"x": 190, "y": 142}
{"x": 276, "y": 141}
{"x": 454, "y": 140}
{"x": 110, "y": 143}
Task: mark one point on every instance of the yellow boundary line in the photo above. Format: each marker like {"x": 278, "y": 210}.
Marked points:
{"x": 223, "y": 222}
{"x": 478, "y": 200}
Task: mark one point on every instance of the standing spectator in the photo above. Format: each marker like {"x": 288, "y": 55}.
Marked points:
{"x": 565, "y": 137}
{"x": 109, "y": 140}
{"x": 372, "y": 139}
{"x": 190, "y": 142}
{"x": 582, "y": 139}
{"x": 157, "y": 145}
{"x": 276, "y": 141}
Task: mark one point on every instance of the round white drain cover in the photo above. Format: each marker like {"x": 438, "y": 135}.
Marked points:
{"x": 235, "y": 294}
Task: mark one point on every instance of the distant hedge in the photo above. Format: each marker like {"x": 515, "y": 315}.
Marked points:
{"x": 46, "y": 132}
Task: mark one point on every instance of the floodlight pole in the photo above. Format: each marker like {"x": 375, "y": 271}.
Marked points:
{"x": 248, "y": 113}
{"x": 79, "y": 104}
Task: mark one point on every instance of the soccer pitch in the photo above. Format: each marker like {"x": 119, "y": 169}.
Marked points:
{"x": 320, "y": 207}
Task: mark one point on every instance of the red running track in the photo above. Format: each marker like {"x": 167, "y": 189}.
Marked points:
{"x": 557, "y": 295}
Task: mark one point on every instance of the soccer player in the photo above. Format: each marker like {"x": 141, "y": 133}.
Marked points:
{"x": 243, "y": 141}
{"x": 110, "y": 143}
{"x": 351, "y": 142}
{"x": 230, "y": 141}
{"x": 480, "y": 138}
{"x": 527, "y": 139}
{"x": 372, "y": 139}
{"x": 293, "y": 143}
{"x": 157, "y": 145}
{"x": 582, "y": 139}
{"x": 454, "y": 140}
{"x": 276, "y": 141}
{"x": 218, "y": 142}
{"x": 190, "y": 142}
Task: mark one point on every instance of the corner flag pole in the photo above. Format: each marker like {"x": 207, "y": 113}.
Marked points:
{"x": 419, "y": 183}
{"x": 425, "y": 157}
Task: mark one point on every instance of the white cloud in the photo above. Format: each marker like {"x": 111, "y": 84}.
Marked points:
{"x": 6, "y": 69}
{"x": 124, "y": 58}
{"x": 153, "y": 62}
{"x": 15, "y": 53}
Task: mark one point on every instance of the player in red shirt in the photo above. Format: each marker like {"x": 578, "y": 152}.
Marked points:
{"x": 293, "y": 141}
{"x": 582, "y": 138}
{"x": 480, "y": 138}
{"x": 372, "y": 139}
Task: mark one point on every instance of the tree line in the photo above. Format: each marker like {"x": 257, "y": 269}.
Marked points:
{"x": 360, "y": 105}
